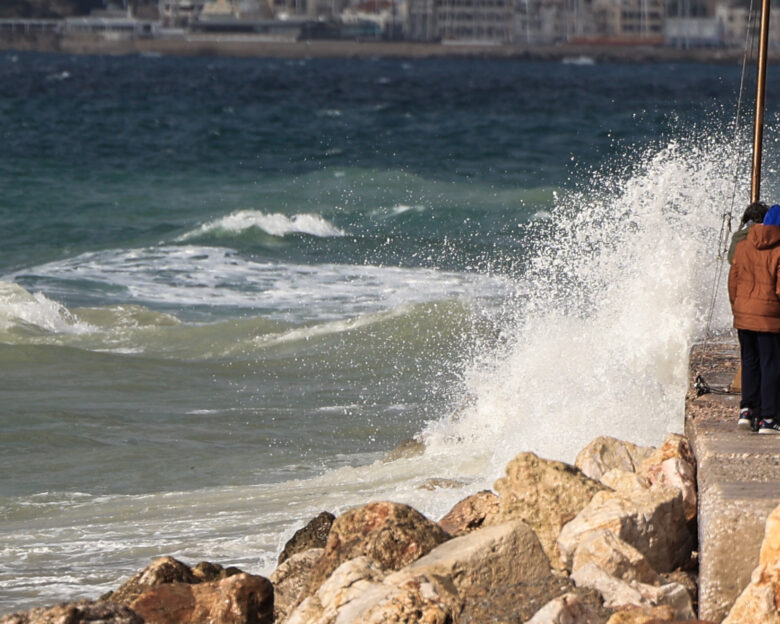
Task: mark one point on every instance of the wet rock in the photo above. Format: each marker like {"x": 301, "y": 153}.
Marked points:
{"x": 389, "y": 533}
{"x": 161, "y": 571}
{"x": 470, "y": 513}
{"x": 290, "y": 578}
{"x": 566, "y": 609}
{"x": 239, "y": 599}
{"x": 619, "y": 559}
{"x": 411, "y": 447}
{"x": 438, "y": 483}
{"x": 313, "y": 535}
{"x": 652, "y": 521}
{"x": 606, "y": 453}
{"x": 544, "y": 494}
{"x": 82, "y": 612}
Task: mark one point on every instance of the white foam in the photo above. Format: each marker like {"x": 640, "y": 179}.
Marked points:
{"x": 214, "y": 276}
{"x": 275, "y": 224}
{"x": 20, "y": 308}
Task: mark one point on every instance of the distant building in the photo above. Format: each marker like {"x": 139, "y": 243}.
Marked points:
{"x": 180, "y": 13}
{"x": 694, "y": 32}
{"x": 465, "y": 21}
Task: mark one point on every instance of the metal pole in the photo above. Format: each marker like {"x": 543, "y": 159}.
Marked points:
{"x": 758, "y": 134}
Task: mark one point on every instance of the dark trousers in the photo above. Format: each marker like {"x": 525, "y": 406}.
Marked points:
{"x": 760, "y": 371}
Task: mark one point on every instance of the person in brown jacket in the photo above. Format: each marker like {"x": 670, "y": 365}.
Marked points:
{"x": 754, "y": 292}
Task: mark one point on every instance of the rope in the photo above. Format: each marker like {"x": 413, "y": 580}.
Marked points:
{"x": 701, "y": 386}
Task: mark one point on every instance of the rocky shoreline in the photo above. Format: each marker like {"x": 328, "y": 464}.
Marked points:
{"x": 247, "y": 45}
{"x": 608, "y": 540}
{"x": 611, "y": 539}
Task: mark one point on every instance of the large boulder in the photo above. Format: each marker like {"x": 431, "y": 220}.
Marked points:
{"x": 82, "y": 612}
{"x": 651, "y": 520}
{"x": 616, "y": 557}
{"x": 391, "y": 534}
{"x": 759, "y": 603}
{"x": 544, "y": 494}
{"x": 470, "y": 513}
{"x": 618, "y": 593}
{"x": 674, "y": 465}
{"x": 313, "y": 535}
{"x": 606, "y": 453}
{"x": 356, "y": 592}
{"x": 290, "y": 578}
{"x": 238, "y": 599}
{"x": 495, "y": 571}
{"x": 160, "y": 572}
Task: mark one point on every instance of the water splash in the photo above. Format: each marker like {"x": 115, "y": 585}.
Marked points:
{"x": 614, "y": 291}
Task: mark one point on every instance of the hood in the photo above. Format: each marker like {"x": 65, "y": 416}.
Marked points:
{"x": 764, "y": 236}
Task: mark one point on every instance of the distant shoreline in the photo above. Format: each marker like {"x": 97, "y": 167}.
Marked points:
{"x": 260, "y": 46}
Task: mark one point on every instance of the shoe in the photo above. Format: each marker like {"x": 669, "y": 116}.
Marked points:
{"x": 770, "y": 427}
{"x": 746, "y": 422}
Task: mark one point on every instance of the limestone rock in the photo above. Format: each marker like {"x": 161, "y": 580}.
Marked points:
{"x": 313, "y": 535}
{"x": 496, "y": 569}
{"x": 619, "y": 559}
{"x": 566, "y": 609}
{"x": 675, "y": 445}
{"x": 652, "y": 521}
{"x": 643, "y": 615}
{"x": 239, "y": 599}
{"x": 758, "y": 603}
{"x": 545, "y": 495}
{"x": 770, "y": 547}
{"x": 679, "y": 474}
{"x": 161, "y": 571}
{"x": 356, "y": 593}
{"x": 470, "y": 513}
{"x": 625, "y": 482}
{"x": 606, "y": 453}
{"x": 391, "y": 534}
{"x": 82, "y": 612}
{"x": 618, "y": 593}
{"x": 206, "y": 572}
{"x": 289, "y": 579}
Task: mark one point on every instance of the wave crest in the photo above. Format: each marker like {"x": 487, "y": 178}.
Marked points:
{"x": 274, "y": 224}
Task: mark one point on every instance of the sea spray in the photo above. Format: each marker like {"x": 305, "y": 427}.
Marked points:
{"x": 616, "y": 287}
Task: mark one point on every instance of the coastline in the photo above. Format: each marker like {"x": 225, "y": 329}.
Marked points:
{"x": 232, "y": 45}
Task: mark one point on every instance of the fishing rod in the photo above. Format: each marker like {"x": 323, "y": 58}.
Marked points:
{"x": 700, "y": 385}
{"x": 758, "y": 130}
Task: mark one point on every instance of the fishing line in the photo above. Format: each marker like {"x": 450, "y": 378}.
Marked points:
{"x": 700, "y": 385}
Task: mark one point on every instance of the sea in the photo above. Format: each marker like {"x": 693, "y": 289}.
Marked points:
{"x": 230, "y": 288}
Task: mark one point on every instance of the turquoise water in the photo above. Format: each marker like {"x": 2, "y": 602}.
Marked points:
{"x": 228, "y": 287}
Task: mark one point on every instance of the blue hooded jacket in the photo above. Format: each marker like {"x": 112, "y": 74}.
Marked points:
{"x": 773, "y": 215}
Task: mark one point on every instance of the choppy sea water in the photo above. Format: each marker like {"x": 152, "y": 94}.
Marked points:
{"x": 229, "y": 287}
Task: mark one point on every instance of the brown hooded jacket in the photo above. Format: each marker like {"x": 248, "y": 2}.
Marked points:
{"x": 754, "y": 290}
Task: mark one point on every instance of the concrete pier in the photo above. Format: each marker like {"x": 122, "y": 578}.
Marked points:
{"x": 738, "y": 477}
